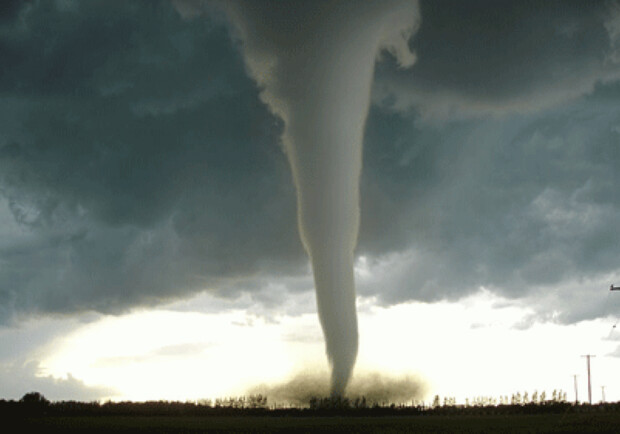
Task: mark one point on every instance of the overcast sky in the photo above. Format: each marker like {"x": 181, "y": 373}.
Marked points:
{"x": 139, "y": 167}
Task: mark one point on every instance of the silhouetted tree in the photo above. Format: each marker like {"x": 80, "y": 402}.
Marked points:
{"x": 360, "y": 402}
{"x": 257, "y": 401}
{"x": 331, "y": 403}
{"x": 34, "y": 402}
{"x": 34, "y": 398}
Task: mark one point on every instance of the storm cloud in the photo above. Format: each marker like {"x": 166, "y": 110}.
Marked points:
{"x": 489, "y": 58}
{"x": 136, "y": 159}
{"x": 139, "y": 165}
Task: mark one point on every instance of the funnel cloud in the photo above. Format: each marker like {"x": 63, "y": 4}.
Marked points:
{"x": 315, "y": 69}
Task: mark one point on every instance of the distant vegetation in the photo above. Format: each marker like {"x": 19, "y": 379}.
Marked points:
{"x": 36, "y": 404}
{"x": 254, "y": 414}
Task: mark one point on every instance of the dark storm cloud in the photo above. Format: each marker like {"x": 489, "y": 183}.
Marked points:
{"x": 135, "y": 153}
{"x": 493, "y": 161}
{"x": 9, "y": 9}
{"x": 489, "y": 57}
{"x": 137, "y": 163}
{"x": 517, "y": 205}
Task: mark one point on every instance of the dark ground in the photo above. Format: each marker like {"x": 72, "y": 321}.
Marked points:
{"x": 603, "y": 422}
{"x": 34, "y": 413}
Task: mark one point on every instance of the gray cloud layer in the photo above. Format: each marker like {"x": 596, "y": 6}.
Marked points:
{"x": 137, "y": 163}
{"x": 490, "y": 58}
{"x": 135, "y": 152}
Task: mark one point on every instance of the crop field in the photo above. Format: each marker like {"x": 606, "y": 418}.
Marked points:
{"x": 519, "y": 423}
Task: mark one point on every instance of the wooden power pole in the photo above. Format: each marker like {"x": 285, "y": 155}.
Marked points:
{"x": 588, "y": 356}
{"x": 576, "y": 395}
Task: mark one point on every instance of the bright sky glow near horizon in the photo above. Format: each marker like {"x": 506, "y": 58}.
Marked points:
{"x": 143, "y": 357}
{"x": 149, "y": 245}
{"x": 453, "y": 348}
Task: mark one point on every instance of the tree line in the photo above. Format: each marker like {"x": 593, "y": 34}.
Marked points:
{"x": 36, "y": 404}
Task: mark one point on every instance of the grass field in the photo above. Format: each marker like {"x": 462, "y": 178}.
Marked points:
{"x": 544, "y": 423}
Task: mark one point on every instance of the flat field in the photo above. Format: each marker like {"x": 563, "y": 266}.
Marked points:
{"x": 543, "y": 423}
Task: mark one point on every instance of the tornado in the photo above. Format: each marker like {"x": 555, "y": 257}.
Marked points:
{"x": 314, "y": 63}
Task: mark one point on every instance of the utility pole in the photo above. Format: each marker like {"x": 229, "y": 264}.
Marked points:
{"x": 587, "y": 356}
{"x": 603, "y": 393}
{"x": 576, "y": 396}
